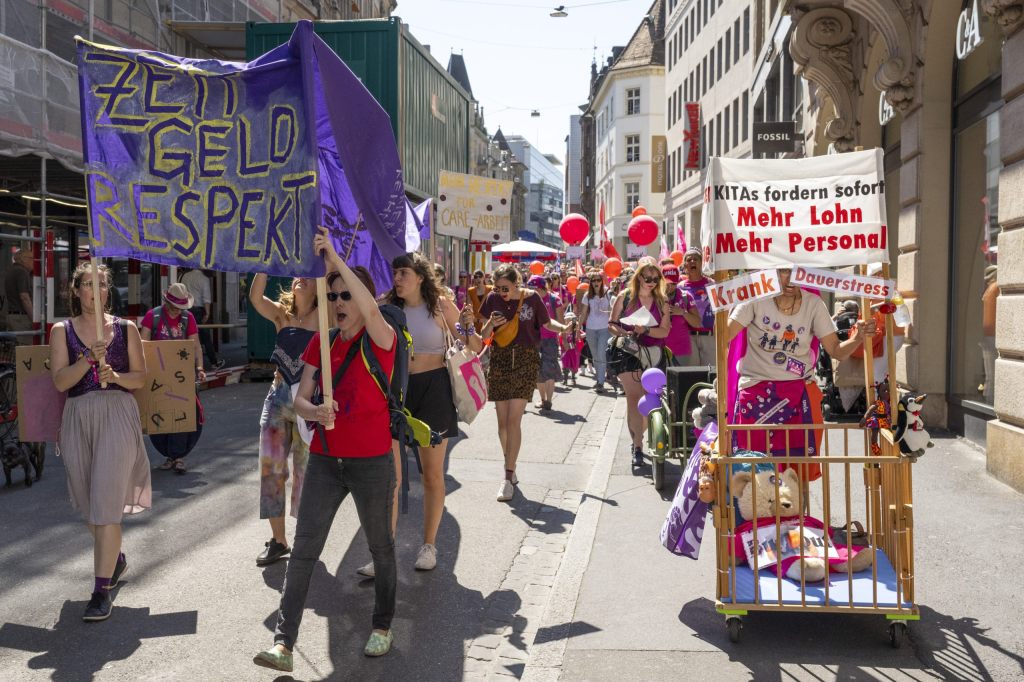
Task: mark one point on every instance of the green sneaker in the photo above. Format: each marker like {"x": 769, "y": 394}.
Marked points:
{"x": 378, "y": 644}
{"x": 272, "y": 658}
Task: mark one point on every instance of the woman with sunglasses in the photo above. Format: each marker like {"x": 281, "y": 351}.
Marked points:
{"x": 644, "y": 290}
{"x": 596, "y": 307}
{"x": 282, "y": 434}
{"x": 515, "y": 316}
{"x": 430, "y": 318}
{"x": 352, "y": 457}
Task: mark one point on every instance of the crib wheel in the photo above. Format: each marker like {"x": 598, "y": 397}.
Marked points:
{"x": 734, "y": 625}
{"x": 897, "y": 631}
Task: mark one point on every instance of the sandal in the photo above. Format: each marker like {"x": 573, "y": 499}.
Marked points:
{"x": 167, "y": 465}
{"x": 179, "y": 466}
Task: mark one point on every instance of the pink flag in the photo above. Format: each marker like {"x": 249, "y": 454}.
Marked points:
{"x": 680, "y": 239}
{"x": 664, "y": 248}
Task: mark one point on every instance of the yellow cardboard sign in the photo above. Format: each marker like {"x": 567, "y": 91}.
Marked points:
{"x": 167, "y": 401}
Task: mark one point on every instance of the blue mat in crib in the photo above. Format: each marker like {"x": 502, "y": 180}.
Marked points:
{"x": 838, "y": 591}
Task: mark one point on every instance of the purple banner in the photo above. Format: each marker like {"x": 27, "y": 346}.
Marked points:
{"x": 684, "y": 526}
{"x": 232, "y": 166}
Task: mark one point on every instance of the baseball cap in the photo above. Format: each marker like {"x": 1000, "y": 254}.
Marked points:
{"x": 670, "y": 273}
{"x": 537, "y": 282}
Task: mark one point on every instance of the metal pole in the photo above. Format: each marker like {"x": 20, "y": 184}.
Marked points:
{"x": 42, "y": 233}
{"x": 92, "y": 16}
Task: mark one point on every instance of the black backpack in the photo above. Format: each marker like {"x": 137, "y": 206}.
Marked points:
{"x": 407, "y": 430}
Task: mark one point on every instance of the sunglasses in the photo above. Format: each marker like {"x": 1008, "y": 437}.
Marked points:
{"x": 596, "y": 280}
{"x": 651, "y": 280}
{"x": 333, "y": 296}
{"x": 503, "y": 290}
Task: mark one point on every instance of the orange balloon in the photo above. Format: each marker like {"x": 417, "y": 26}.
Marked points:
{"x": 571, "y": 283}
{"x": 639, "y": 210}
{"x": 613, "y": 267}
{"x": 583, "y": 286}
{"x": 677, "y": 258}
{"x": 536, "y": 268}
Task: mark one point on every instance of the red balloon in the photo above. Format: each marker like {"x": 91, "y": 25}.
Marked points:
{"x": 639, "y": 211}
{"x": 612, "y": 267}
{"x": 571, "y": 283}
{"x": 677, "y": 258}
{"x": 643, "y": 230}
{"x": 574, "y": 228}
{"x": 536, "y": 268}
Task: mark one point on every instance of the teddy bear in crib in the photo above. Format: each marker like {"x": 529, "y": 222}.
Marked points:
{"x": 707, "y": 411}
{"x": 910, "y": 432}
{"x": 779, "y": 492}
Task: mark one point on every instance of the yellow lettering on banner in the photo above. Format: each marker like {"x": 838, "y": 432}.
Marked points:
{"x": 105, "y": 205}
{"x": 113, "y": 92}
{"x": 144, "y": 215}
{"x": 204, "y": 89}
{"x": 166, "y": 161}
{"x": 182, "y": 220}
{"x": 218, "y": 219}
{"x": 209, "y": 150}
{"x": 279, "y": 115}
{"x": 246, "y": 224}
{"x": 247, "y": 168}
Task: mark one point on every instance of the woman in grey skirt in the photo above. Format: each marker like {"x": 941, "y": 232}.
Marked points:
{"x": 100, "y": 433}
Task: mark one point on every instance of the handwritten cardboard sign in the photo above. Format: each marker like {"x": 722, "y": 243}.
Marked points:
{"x": 166, "y": 401}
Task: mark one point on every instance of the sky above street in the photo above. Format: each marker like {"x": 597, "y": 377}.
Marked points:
{"x": 520, "y": 59}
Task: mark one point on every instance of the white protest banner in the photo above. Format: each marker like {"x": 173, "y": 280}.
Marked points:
{"x": 574, "y": 252}
{"x": 634, "y": 251}
{"x": 471, "y": 202}
{"x": 824, "y": 211}
{"x": 854, "y": 285}
{"x": 730, "y": 293}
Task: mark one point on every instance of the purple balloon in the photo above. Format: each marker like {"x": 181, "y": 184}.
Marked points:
{"x": 653, "y": 380}
{"x": 649, "y": 403}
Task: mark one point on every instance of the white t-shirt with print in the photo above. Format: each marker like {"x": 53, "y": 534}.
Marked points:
{"x": 779, "y": 345}
{"x": 600, "y": 311}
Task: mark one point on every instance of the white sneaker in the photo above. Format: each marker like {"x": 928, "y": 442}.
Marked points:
{"x": 506, "y": 491}
{"x": 426, "y": 560}
{"x": 367, "y": 571}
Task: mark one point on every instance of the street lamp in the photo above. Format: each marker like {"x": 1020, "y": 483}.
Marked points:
{"x": 559, "y": 12}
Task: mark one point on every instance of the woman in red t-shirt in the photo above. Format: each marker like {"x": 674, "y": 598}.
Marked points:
{"x": 357, "y": 459}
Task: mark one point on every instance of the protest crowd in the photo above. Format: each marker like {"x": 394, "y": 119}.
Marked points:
{"x": 530, "y": 326}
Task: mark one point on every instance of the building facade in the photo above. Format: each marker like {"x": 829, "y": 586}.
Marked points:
{"x": 627, "y": 105}
{"x": 940, "y": 87}
{"x": 545, "y": 194}
{"x": 709, "y": 57}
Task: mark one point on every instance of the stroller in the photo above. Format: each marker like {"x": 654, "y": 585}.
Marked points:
{"x": 832, "y": 404}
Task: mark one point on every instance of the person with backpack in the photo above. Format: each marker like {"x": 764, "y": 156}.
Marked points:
{"x": 432, "y": 320}
{"x": 515, "y": 316}
{"x": 173, "y": 321}
{"x": 352, "y": 456}
{"x": 282, "y": 434}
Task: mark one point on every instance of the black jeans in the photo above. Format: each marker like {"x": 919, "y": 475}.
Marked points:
{"x": 205, "y": 337}
{"x": 329, "y": 480}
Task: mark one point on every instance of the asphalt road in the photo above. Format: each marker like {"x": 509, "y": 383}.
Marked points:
{"x": 194, "y": 606}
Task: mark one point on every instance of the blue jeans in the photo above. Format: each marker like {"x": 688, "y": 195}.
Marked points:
{"x": 597, "y": 339}
{"x": 329, "y": 480}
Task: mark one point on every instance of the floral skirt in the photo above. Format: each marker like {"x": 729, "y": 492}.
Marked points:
{"x": 513, "y": 372}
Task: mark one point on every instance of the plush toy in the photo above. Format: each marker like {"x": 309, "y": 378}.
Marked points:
{"x": 706, "y": 475}
{"x": 910, "y": 432}
{"x": 877, "y": 416}
{"x": 781, "y": 494}
{"x": 707, "y": 412}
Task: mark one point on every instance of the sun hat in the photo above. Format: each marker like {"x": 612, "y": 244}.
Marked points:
{"x": 670, "y": 273}
{"x": 537, "y": 282}
{"x": 177, "y": 295}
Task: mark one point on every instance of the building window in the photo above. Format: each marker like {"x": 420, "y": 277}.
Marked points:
{"x": 718, "y": 133}
{"x": 736, "y": 122}
{"x": 632, "y": 148}
{"x": 704, "y": 77}
{"x": 736, "y": 41}
{"x": 668, "y": 114}
{"x": 746, "y": 114}
{"x": 728, "y": 50}
{"x": 725, "y": 123}
{"x": 686, "y": 32}
{"x": 710, "y": 146}
{"x": 718, "y": 61}
{"x": 632, "y": 101}
{"x": 746, "y": 30}
{"x": 632, "y": 195}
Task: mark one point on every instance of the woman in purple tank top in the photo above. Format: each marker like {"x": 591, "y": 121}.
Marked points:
{"x": 101, "y": 433}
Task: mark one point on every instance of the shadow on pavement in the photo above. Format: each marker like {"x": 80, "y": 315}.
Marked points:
{"x": 76, "y": 650}
{"x": 845, "y": 643}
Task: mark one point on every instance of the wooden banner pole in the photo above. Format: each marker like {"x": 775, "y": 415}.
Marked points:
{"x": 326, "y": 375}
{"x": 97, "y": 302}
